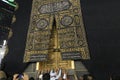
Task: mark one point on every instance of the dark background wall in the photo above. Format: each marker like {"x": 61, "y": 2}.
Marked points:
{"x": 101, "y": 19}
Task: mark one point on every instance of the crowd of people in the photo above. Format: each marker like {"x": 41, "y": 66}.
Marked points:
{"x": 53, "y": 74}
{"x": 60, "y": 74}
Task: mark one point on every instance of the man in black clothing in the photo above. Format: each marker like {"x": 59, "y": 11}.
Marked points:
{"x": 46, "y": 76}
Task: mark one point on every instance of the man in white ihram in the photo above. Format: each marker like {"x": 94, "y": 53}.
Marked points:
{"x": 55, "y": 75}
{"x": 41, "y": 75}
{"x": 2, "y": 51}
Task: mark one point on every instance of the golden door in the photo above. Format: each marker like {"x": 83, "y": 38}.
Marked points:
{"x": 56, "y": 27}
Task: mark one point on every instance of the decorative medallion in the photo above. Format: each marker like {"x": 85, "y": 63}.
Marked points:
{"x": 42, "y": 23}
{"x": 66, "y": 20}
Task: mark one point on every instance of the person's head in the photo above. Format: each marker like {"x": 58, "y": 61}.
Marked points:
{"x": 2, "y": 75}
{"x": 90, "y": 77}
{"x": 23, "y": 76}
{"x": 31, "y": 78}
{"x": 46, "y": 76}
{"x": 20, "y": 77}
{"x": 85, "y": 77}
